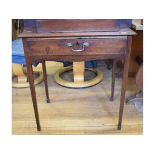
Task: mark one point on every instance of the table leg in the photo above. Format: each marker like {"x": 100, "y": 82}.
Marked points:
{"x": 33, "y": 94}
{"x": 124, "y": 82}
{"x": 113, "y": 80}
{"x": 45, "y": 81}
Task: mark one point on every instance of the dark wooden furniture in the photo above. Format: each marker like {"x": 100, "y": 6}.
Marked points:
{"x": 136, "y": 48}
{"x": 76, "y": 40}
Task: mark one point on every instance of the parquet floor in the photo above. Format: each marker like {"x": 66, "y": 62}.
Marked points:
{"x": 75, "y": 111}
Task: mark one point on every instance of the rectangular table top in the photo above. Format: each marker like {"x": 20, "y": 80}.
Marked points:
{"x": 74, "y": 27}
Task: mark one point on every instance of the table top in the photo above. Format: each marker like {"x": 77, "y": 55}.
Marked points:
{"x": 74, "y": 28}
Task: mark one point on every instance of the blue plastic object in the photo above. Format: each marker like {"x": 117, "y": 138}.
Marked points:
{"x": 18, "y": 52}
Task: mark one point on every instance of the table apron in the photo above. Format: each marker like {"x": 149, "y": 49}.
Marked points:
{"x": 76, "y": 58}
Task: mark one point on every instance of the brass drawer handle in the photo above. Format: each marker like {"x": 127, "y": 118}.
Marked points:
{"x": 85, "y": 44}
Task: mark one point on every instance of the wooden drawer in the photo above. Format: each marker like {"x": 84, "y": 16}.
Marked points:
{"x": 48, "y": 46}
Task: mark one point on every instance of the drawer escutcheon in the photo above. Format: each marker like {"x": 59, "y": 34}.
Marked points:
{"x": 85, "y": 44}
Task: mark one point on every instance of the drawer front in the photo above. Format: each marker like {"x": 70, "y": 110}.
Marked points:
{"x": 46, "y": 46}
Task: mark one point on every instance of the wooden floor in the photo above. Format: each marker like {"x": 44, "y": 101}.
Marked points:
{"x": 75, "y": 111}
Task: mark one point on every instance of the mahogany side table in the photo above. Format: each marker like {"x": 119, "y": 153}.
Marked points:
{"x": 76, "y": 40}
